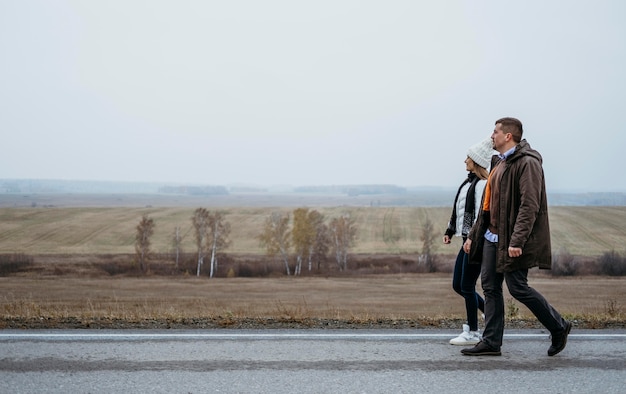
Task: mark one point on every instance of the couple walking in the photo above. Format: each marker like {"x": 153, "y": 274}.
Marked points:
{"x": 501, "y": 211}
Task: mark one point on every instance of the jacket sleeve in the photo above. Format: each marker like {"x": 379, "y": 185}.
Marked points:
{"x": 451, "y": 229}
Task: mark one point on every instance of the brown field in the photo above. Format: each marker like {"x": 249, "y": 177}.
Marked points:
{"x": 65, "y": 290}
{"x": 377, "y": 300}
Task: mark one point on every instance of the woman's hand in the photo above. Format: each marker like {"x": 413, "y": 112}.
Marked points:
{"x": 467, "y": 246}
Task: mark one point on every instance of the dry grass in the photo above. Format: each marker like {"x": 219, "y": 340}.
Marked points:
{"x": 592, "y": 301}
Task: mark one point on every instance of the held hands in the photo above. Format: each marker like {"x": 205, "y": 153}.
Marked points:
{"x": 467, "y": 246}
{"x": 513, "y": 252}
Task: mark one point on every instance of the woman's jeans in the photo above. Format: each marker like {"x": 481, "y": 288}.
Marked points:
{"x": 464, "y": 283}
{"x": 517, "y": 283}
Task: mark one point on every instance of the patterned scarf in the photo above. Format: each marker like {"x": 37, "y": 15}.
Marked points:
{"x": 470, "y": 205}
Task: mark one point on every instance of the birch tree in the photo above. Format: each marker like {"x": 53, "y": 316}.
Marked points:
{"x": 303, "y": 237}
{"x": 310, "y": 238}
{"x": 217, "y": 239}
{"x": 343, "y": 237}
{"x": 275, "y": 237}
{"x": 200, "y": 221}
{"x": 145, "y": 229}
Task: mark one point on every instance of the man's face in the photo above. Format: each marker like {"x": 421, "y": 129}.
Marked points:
{"x": 499, "y": 138}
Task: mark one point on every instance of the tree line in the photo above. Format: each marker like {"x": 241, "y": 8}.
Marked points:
{"x": 306, "y": 237}
{"x": 309, "y": 237}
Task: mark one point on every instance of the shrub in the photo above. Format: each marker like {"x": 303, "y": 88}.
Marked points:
{"x": 245, "y": 271}
{"x": 612, "y": 264}
{"x": 13, "y": 263}
{"x": 564, "y": 264}
{"x": 115, "y": 267}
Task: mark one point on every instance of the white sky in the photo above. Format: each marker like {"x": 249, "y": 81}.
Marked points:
{"x": 308, "y": 92}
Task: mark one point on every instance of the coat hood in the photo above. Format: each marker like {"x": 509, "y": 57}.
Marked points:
{"x": 524, "y": 149}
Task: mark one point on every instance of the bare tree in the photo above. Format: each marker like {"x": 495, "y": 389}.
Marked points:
{"x": 321, "y": 247}
{"x": 321, "y": 242}
{"x": 343, "y": 234}
{"x": 200, "y": 221}
{"x": 177, "y": 241}
{"x": 145, "y": 229}
{"x": 427, "y": 259}
{"x": 218, "y": 233}
{"x": 275, "y": 237}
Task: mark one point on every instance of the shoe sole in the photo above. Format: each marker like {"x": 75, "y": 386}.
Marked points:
{"x": 567, "y": 330}
{"x": 464, "y": 343}
{"x": 482, "y": 354}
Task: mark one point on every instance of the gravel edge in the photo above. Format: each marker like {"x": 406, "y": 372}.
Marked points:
{"x": 271, "y": 323}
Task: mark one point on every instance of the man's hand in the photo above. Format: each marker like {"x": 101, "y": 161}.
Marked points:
{"x": 515, "y": 252}
{"x": 446, "y": 239}
{"x": 467, "y": 246}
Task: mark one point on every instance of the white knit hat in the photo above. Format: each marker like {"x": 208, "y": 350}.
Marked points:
{"x": 481, "y": 153}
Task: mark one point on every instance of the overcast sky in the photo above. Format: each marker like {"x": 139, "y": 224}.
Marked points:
{"x": 308, "y": 92}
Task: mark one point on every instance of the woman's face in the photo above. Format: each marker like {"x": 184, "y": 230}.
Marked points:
{"x": 469, "y": 164}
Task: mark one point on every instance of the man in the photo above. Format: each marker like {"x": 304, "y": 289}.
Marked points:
{"x": 511, "y": 235}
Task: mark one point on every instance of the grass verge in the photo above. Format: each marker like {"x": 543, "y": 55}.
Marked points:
{"x": 377, "y": 301}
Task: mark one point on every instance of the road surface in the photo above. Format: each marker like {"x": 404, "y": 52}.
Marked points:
{"x": 303, "y": 361}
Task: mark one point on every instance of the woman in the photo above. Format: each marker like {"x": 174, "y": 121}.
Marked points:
{"x": 466, "y": 205}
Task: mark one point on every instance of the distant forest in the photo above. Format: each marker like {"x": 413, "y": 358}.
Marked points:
{"x": 377, "y": 193}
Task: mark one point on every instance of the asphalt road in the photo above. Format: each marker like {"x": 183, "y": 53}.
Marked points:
{"x": 303, "y": 361}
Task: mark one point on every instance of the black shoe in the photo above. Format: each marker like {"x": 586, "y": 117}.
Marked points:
{"x": 481, "y": 349}
{"x": 559, "y": 340}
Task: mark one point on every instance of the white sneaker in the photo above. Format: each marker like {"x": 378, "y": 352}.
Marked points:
{"x": 467, "y": 337}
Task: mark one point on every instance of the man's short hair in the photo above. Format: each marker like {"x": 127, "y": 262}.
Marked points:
{"x": 513, "y": 126}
